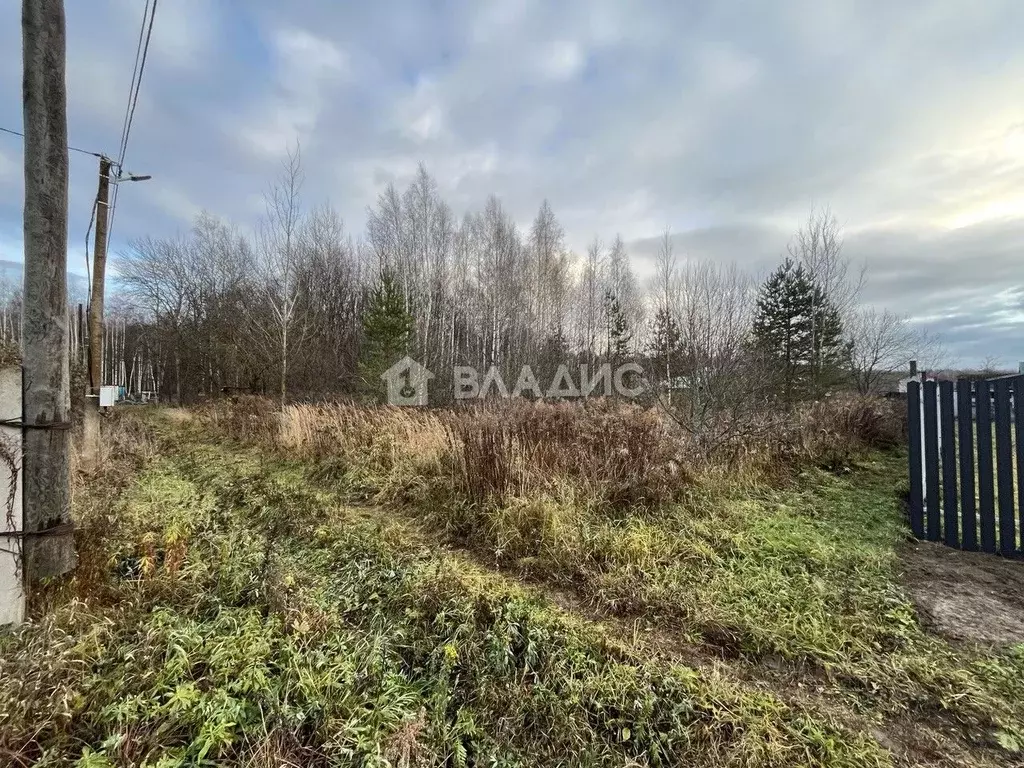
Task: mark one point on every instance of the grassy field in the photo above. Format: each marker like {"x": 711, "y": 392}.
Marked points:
{"x": 383, "y": 588}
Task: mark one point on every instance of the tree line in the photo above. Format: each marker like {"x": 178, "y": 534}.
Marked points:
{"x": 299, "y": 308}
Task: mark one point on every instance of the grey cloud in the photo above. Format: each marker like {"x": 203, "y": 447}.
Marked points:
{"x": 723, "y": 121}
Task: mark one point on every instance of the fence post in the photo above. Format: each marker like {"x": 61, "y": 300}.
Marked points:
{"x": 915, "y": 455}
{"x": 12, "y": 592}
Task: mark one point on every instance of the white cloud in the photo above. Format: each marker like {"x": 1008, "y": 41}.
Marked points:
{"x": 307, "y": 67}
{"x": 725, "y": 123}
{"x": 724, "y": 69}
{"x": 563, "y": 60}
{"x": 421, "y": 117}
{"x": 303, "y": 54}
{"x": 185, "y": 33}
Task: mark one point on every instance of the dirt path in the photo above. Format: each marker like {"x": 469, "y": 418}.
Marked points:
{"x": 966, "y": 596}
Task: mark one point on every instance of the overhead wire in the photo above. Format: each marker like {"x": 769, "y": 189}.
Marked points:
{"x": 141, "y": 52}
{"x": 73, "y": 149}
{"x": 122, "y": 143}
{"x": 92, "y": 216}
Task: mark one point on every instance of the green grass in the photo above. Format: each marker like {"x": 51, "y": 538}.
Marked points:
{"x": 341, "y": 640}
{"x": 808, "y": 574}
{"x": 261, "y": 617}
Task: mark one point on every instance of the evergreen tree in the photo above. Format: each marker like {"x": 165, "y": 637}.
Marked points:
{"x": 666, "y": 345}
{"x": 798, "y": 328}
{"x": 554, "y": 351}
{"x": 387, "y": 332}
{"x": 619, "y": 332}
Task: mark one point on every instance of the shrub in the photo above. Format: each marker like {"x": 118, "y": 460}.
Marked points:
{"x": 833, "y": 431}
{"x": 621, "y": 453}
{"x": 247, "y": 418}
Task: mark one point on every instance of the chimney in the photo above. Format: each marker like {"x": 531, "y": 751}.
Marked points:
{"x": 913, "y": 367}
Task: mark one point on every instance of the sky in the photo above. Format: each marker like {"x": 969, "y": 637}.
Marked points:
{"x": 724, "y": 122}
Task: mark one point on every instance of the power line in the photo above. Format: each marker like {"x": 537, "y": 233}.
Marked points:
{"x": 73, "y": 149}
{"x": 133, "y": 99}
{"x": 123, "y": 143}
{"x": 92, "y": 216}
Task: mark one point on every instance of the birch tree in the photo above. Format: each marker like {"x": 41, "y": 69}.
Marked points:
{"x": 280, "y": 259}
{"x": 817, "y": 247}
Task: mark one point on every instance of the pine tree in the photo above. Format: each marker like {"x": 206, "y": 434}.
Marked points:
{"x": 619, "y": 332}
{"x": 666, "y": 344}
{"x": 554, "y": 352}
{"x": 387, "y": 332}
{"x": 798, "y": 328}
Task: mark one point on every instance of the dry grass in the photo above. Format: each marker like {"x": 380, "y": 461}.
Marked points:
{"x": 621, "y": 455}
{"x": 614, "y": 455}
{"x": 390, "y": 433}
{"x": 266, "y": 625}
{"x": 128, "y": 444}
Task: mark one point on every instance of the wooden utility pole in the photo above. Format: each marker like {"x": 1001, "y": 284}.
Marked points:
{"x": 99, "y": 272}
{"x": 91, "y": 422}
{"x": 48, "y": 546}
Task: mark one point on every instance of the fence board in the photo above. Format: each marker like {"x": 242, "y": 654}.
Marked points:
{"x": 986, "y": 491}
{"x": 1004, "y": 469}
{"x": 916, "y": 455}
{"x": 947, "y": 429}
{"x": 965, "y": 442}
{"x": 931, "y": 461}
{"x": 1018, "y": 419}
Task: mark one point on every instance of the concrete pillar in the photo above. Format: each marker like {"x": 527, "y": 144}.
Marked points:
{"x": 12, "y": 593}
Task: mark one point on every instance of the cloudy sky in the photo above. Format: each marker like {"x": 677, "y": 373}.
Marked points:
{"x": 723, "y": 121}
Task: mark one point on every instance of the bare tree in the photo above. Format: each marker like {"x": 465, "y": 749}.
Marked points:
{"x": 880, "y": 343}
{"x": 664, "y": 290}
{"x": 666, "y": 273}
{"x": 156, "y": 275}
{"x": 723, "y": 381}
{"x": 992, "y": 365}
{"x": 818, "y": 247}
{"x": 280, "y": 260}
{"x": 591, "y": 304}
{"x": 546, "y": 250}
{"x": 332, "y": 301}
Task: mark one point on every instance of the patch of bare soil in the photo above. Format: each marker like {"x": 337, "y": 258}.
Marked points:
{"x": 967, "y": 596}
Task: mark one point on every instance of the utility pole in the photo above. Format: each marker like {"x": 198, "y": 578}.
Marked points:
{"x": 91, "y": 422}
{"x": 48, "y": 548}
{"x": 99, "y": 272}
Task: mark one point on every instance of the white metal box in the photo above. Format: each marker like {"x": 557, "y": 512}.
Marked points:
{"x": 108, "y": 396}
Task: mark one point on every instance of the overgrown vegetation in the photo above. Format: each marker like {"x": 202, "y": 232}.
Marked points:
{"x": 536, "y": 585}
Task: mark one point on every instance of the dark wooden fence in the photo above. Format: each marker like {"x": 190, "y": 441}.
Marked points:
{"x": 967, "y": 463}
